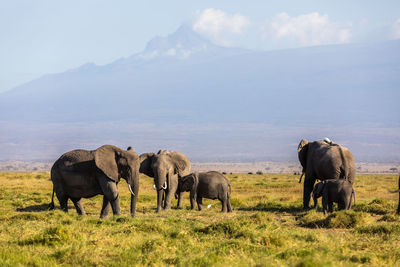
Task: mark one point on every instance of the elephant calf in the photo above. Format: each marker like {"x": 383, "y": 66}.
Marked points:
{"x": 333, "y": 190}
{"x": 212, "y": 185}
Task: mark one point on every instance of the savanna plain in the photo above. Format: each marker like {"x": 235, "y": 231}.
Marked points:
{"x": 267, "y": 227}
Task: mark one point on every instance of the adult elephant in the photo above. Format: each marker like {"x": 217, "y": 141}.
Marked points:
{"x": 324, "y": 160}
{"x": 86, "y": 173}
{"x": 166, "y": 167}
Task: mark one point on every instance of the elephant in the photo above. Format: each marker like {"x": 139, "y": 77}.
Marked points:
{"x": 334, "y": 190}
{"x": 212, "y": 185}
{"x": 397, "y": 191}
{"x": 324, "y": 160}
{"x": 166, "y": 167}
{"x": 82, "y": 173}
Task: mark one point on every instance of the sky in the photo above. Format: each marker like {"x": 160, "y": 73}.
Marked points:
{"x": 46, "y": 36}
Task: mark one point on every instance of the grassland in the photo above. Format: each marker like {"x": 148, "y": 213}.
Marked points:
{"x": 266, "y": 228}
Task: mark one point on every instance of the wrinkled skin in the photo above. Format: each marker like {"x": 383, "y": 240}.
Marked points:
{"x": 322, "y": 160}
{"x": 83, "y": 174}
{"x": 397, "y": 191}
{"x": 338, "y": 190}
{"x": 212, "y": 185}
{"x": 166, "y": 167}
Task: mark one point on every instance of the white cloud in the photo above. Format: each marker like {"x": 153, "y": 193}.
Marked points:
{"x": 217, "y": 25}
{"x": 396, "y": 29}
{"x": 306, "y": 29}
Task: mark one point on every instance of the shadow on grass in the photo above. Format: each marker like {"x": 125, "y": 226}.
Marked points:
{"x": 272, "y": 206}
{"x": 34, "y": 208}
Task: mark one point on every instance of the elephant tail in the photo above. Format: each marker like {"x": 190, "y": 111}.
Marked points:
{"x": 344, "y": 174}
{"x": 51, "y": 205}
{"x": 53, "y": 175}
{"x": 354, "y": 196}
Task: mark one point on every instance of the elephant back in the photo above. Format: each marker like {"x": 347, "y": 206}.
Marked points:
{"x": 78, "y": 160}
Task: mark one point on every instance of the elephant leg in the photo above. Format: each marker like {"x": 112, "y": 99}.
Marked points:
{"x": 324, "y": 204}
{"x": 224, "y": 205}
{"x": 330, "y": 206}
{"x": 78, "y": 206}
{"x": 199, "y": 203}
{"x": 170, "y": 193}
{"x": 342, "y": 205}
{"x": 63, "y": 199}
{"x": 228, "y": 202}
{"x": 180, "y": 199}
{"x": 105, "y": 208}
{"x": 192, "y": 199}
{"x": 110, "y": 191}
{"x": 308, "y": 188}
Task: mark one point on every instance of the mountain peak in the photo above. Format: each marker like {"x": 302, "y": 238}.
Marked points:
{"x": 181, "y": 44}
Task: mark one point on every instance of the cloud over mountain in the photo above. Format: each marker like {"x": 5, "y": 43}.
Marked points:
{"x": 216, "y": 24}
{"x": 306, "y": 29}
{"x": 396, "y": 29}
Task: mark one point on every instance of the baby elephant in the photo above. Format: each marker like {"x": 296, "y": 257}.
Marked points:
{"x": 334, "y": 190}
{"x": 212, "y": 185}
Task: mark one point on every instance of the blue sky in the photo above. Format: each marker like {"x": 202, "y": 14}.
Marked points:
{"x": 39, "y": 37}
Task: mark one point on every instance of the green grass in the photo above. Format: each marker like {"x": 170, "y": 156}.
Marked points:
{"x": 268, "y": 227}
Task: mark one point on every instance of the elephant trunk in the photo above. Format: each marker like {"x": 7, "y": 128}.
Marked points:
{"x": 161, "y": 186}
{"x": 134, "y": 189}
{"x": 160, "y": 195}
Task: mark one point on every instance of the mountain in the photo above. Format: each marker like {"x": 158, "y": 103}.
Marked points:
{"x": 183, "y": 82}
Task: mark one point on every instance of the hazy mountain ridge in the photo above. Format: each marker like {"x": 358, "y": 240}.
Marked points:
{"x": 182, "y": 82}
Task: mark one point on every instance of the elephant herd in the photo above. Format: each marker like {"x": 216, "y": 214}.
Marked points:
{"x": 83, "y": 174}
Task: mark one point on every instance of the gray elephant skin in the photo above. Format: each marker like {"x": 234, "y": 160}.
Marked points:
{"x": 397, "y": 191}
{"x": 334, "y": 190}
{"x": 324, "y": 160}
{"x": 83, "y": 174}
{"x": 212, "y": 185}
{"x": 166, "y": 167}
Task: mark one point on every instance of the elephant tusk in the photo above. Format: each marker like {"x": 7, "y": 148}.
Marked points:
{"x": 301, "y": 176}
{"x": 154, "y": 186}
{"x": 394, "y": 191}
{"x": 165, "y": 186}
{"x": 130, "y": 189}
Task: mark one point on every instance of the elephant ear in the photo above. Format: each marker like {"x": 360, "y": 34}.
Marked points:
{"x": 302, "y": 150}
{"x": 181, "y": 163}
{"x": 145, "y": 160}
{"x": 187, "y": 182}
{"x": 105, "y": 159}
{"x": 319, "y": 187}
